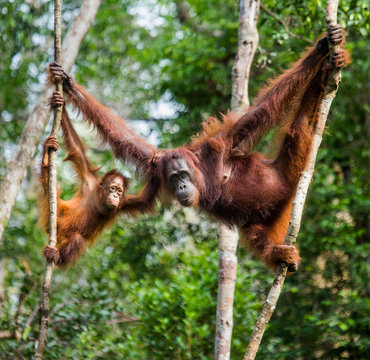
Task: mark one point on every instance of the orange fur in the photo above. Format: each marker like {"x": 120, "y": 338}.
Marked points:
{"x": 81, "y": 219}
{"x": 235, "y": 185}
{"x": 213, "y": 127}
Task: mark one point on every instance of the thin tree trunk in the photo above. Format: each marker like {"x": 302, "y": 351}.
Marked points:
{"x": 227, "y": 265}
{"x": 227, "y": 237}
{"x": 45, "y": 296}
{"x": 247, "y": 46}
{"x": 300, "y": 198}
{"x": 36, "y": 122}
{"x": 2, "y": 279}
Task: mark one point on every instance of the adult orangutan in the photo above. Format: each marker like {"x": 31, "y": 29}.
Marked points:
{"x": 95, "y": 206}
{"x": 238, "y": 188}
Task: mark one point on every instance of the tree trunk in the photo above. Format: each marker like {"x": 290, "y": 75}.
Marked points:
{"x": 227, "y": 237}
{"x": 36, "y": 122}
{"x": 247, "y": 46}
{"x": 300, "y": 198}
{"x": 45, "y": 294}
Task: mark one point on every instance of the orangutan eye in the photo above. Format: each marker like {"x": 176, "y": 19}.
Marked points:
{"x": 119, "y": 191}
{"x": 112, "y": 188}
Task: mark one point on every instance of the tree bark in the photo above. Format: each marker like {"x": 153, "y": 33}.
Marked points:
{"x": 7, "y": 334}
{"x": 45, "y": 295}
{"x": 227, "y": 266}
{"x": 36, "y": 122}
{"x": 247, "y": 46}
{"x": 227, "y": 237}
{"x": 300, "y": 198}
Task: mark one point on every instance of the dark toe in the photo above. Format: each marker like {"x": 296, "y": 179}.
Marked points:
{"x": 292, "y": 267}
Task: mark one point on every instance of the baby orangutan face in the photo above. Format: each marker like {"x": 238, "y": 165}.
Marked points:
{"x": 112, "y": 191}
{"x": 115, "y": 194}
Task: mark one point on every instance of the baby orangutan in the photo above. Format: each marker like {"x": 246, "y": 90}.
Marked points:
{"x": 94, "y": 207}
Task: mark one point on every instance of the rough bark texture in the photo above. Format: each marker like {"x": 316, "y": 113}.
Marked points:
{"x": 227, "y": 265}
{"x": 45, "y": 296}
{"x": 300, "y": 198}
{"x": 228, "y": 238}
{"x": 36, "y": 122}
{"x": 247, "y": 46}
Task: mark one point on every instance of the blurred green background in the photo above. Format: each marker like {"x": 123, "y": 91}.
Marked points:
{"x": 148, "y": 289}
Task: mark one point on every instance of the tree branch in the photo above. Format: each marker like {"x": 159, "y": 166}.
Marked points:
{"x": 286, "y": 27}
{"x": 32, "y": 316}
{"x": 45, "y": 296}
{"x": 300, "y": 198}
